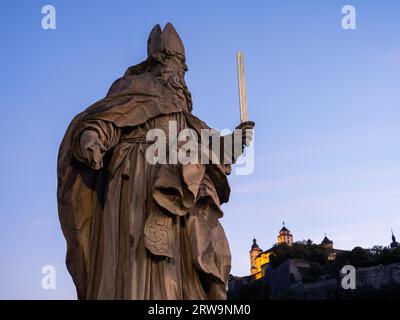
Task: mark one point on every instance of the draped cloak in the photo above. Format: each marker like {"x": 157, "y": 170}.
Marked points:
{"x": 136, "y": 230}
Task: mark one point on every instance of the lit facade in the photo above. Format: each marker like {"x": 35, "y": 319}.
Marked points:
{"x": 259, "y": 259}
{"x": 285, "y": 236}
{"x": 255, "y": 266}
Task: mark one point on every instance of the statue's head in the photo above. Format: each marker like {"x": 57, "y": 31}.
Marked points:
{"x": 166, "y": 56}
{"x": 165, "y": 47}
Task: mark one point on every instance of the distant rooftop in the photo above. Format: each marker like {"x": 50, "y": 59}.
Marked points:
{"x": 326, "y": 240}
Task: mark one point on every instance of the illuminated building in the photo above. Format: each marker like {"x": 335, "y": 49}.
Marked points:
{"x": 285, "y": 236}
{"x": 259, "y": 259}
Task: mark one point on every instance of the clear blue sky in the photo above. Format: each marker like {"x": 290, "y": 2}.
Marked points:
{"x": 326, "y": 103}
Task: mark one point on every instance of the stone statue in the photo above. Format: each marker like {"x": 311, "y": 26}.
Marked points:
{"x": 136, "y": 230}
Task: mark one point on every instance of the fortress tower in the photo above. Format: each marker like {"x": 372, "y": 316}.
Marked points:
{"x": 285, "y": 236}
{"x": 327, "y": 243}
{"x": 254, "y": 252}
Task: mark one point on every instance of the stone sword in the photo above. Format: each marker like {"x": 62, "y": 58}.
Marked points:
{"x": 242, "y": 89}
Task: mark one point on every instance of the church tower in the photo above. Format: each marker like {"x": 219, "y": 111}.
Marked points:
{"x": 254, "y": 251}
{"x": 285, "y": 236}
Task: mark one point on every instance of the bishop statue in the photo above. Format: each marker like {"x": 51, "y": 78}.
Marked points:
{"x": 136, "y": 229}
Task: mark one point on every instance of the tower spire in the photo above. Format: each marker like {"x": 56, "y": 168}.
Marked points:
{"x": 394, "y": 243}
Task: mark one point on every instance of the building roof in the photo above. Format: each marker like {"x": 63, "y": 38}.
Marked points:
{"x": 284, "y": 229}
{"x": 264, "y": 252}
{"x": 326, "y": 241}
{"x": 255, "y": 245}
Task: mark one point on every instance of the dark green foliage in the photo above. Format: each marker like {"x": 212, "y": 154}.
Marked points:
{"x": 305, "y": 251}
{"x": 359, "y": 257}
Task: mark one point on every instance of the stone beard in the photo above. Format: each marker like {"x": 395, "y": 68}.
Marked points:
{"x": 136, "y": 230}
{"x": 174, "y": 80}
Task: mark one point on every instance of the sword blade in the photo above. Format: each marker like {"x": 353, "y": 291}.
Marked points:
{"x": 242, "y": 87}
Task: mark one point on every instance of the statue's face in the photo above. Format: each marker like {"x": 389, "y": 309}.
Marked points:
{"x": 176, "y": 64}
{"x": 170, "y": 71}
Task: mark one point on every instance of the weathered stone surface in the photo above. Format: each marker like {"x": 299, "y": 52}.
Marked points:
{"x": 136, "y": 230}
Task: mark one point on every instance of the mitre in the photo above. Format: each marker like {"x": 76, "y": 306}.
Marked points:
{"x": 167, "y": 41}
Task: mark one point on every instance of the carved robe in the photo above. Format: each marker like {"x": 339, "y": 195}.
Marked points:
{"x": 136, "y": 230}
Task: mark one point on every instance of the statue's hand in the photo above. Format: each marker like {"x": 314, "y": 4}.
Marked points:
{"x": 92, "y": 149}
{"x": 247, "y": 132}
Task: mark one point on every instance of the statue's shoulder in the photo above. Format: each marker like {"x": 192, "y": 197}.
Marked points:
{"x": 135, "y": 80}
